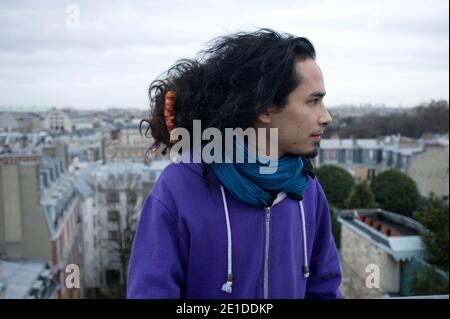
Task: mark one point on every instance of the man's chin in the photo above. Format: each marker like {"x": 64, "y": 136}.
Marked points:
{"x": 309, "y": 153}
{"x": 312, "y": 154}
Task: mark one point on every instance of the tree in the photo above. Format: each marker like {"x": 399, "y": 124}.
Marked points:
{"x": 121, "y": 246}
{"x": 431, "y": 117}
{"x": 396, "y": 192}
{"x": 434, "y": 217}
{"x": 336, "y": 183}
{"x": 428, "y": 279}
{"x": 335, "y": 226}
{"x": 425, "y": 280}
{"x": 361, "y": 196}
{"x": 120, "y": 228}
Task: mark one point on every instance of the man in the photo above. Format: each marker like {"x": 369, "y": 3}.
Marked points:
{"x": 224, "y": 230}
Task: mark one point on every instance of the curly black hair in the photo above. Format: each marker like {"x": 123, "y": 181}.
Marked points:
{"x": 230, "y": 83}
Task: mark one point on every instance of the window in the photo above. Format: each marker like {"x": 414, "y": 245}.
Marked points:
{"x": 398, "y": 162}
{"x": 404, "y": 165}
{"x": 330, "y": 155}
{"x": 112, "y": 277}
{"x": 358, "y": 156}
{"x": 113, "y": 215}
{"x": 370, "y": 174}
{"x": 132, "y": 198}
{"x": 113, "y": 235}
{"x": 341, "y": 156}
{"x": 349, "y": 155}
{"x": 112, "y": 197}
{"x": 379, "y": 156}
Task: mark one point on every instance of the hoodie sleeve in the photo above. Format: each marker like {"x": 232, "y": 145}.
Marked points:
{"x": 158, "y": 254}
{"x": 325, "y": 276}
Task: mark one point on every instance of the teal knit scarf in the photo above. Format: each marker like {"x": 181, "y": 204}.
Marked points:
{"x": 246, "y": 184}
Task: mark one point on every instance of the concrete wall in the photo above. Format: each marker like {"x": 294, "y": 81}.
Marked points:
{"x": 91, "y": 241}
{"x": 357, "y": 252}
{"x": 23, "y": 228}
{"x": 10, "y": 211}
{"x": 430, "y": 170}
{"x": 36, "y": 235}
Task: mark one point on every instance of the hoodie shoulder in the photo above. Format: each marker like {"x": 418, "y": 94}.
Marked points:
{"x": 184, "y": 172}
{"x": 178, "y": 181}
{"x": 172, "y": 177}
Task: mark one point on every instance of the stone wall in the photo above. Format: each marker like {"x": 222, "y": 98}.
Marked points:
{"x": 359, "y": 257}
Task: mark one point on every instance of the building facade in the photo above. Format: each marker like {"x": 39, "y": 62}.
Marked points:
{"x": 426, "y": 162}
{"x": 40, "y": 216}
{"x": 57, "y": 122}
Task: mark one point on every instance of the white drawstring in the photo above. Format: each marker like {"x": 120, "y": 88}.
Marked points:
{"x": 305, "y": 252}
{"x": 226, "y": 287}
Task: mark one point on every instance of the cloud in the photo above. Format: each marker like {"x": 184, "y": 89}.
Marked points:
{"x": 364, "y": 48}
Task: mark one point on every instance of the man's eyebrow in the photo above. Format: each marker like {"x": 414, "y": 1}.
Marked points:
{"x": 319, "y": 94}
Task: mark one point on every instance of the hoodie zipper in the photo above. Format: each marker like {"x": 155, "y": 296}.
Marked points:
{"x": 279, "y": 198}
{"x": 266, "y": 259}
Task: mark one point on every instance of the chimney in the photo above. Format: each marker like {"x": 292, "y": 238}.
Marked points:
{"x": 376, "y": 225}
{"x": 393, "y": 233}
{"x": 385, "y": 230}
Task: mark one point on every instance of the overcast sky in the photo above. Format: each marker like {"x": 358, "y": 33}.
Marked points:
{"x": 390, "y": 52}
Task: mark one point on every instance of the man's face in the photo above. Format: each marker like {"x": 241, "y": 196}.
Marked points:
{"x": 301, "y": 122}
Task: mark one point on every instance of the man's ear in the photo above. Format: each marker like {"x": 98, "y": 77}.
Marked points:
{"x": 266, "y": 116}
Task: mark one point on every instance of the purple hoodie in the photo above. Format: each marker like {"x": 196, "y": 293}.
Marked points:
{"x": 190, "y": 238}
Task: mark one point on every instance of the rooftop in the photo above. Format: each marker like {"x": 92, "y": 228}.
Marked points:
{"x": 18, "y": 277}
{"x": 348, "y": 143}
{"x": 396, "y": 234}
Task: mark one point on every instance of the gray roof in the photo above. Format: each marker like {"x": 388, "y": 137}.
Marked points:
{"x": 105, "y": 172}
{"x": 131, "y": 126}
{"x": 7, "y": 120}
{"x": 83, "y": 187}
{"x": 18, "y": 277}
{"x": 59, "y": 191}
{"x": 348, "y": 143}
{"x": 85, "y": 177}
{"x": 372, "y": 144}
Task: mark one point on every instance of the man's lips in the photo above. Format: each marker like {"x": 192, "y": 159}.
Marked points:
{"x": 317, "y": 136}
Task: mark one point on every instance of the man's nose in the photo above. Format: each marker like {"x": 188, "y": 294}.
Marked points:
{"x": 325, "y": 118}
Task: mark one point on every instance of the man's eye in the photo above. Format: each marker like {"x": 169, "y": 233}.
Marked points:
{"x": 314, "y": 102}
